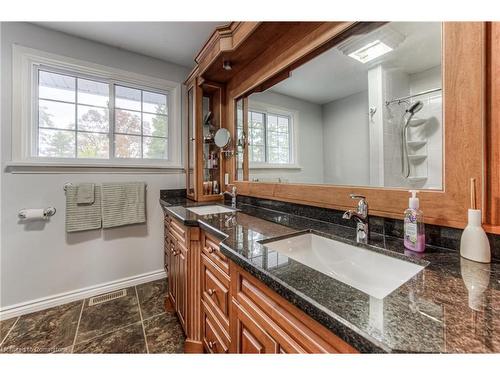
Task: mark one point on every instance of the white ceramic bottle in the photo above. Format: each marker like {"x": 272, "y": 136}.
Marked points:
{"x": 474, "y": 244}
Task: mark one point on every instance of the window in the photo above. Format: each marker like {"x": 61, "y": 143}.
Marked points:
{"x": 72, "y": 112}
{"x": 269, "y": 138}
{"x": 87, "y": 118}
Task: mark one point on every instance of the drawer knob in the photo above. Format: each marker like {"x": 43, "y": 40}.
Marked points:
{"x": 211, "y": 292}
{"x": 211, "y": 250}
{"x": 211, "y": 344}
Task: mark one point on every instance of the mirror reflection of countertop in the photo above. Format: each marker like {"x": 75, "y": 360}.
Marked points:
{"x": 452, "y": 306}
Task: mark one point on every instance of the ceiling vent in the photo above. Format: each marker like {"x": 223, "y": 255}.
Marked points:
{"x": 365, "y": 48}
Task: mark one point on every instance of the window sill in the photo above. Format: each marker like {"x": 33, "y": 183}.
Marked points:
{"x": 35, "y": 166}
{"x": 275, "y": 166}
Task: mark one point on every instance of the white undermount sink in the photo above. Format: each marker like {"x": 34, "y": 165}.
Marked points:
{"x": 368, "y": 271}
{"x": 209, "y": 210}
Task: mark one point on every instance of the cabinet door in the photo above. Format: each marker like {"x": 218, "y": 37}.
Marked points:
{"x": 191, "y": 173}
{"x": 181, "y": 276}
{"x": 250, "y": 337}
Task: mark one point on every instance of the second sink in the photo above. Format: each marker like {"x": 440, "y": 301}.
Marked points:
{"x": 209, "y": 210}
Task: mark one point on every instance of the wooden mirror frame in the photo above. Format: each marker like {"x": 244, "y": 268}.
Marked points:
{"x": 464, "y": 111}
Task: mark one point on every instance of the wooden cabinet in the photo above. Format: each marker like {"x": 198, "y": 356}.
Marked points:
{"x": 216, "y": 299}
{"x": 224, "y": 309}
{"x": 265, "y": 321}
{"x": 176, "y": 253}
{"x": 182, "y": 263}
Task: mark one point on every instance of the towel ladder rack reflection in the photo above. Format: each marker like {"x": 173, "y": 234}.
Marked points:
{"x": 68, "y": 184}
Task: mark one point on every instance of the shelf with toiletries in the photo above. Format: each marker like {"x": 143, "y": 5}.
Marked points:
{"x": 205, "y": 101}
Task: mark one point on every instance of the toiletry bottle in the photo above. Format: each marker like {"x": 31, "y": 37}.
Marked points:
{"x": 414, "y": 230}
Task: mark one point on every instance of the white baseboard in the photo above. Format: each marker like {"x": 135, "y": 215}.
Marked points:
{"x": 75, "y": 295}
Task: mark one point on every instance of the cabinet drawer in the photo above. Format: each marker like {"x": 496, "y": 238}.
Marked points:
{"x": 178, "y": 231}
{"x": 214, "y": 338}
{"x": 210, "y": 247}
{"x": 215, "y": 291}
{"x": 293, "y": 330}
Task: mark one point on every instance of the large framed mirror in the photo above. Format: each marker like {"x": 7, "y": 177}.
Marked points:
{"x": 369, "y": 108}
{"x": 367, "y": 112}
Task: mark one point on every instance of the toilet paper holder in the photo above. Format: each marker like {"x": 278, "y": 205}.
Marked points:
{"x": 47, "y": 212}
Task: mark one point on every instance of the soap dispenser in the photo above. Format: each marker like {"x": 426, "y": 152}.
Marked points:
{"x": 414, "y": 230}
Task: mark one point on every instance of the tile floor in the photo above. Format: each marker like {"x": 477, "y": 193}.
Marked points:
{"x": 135, "y": 323}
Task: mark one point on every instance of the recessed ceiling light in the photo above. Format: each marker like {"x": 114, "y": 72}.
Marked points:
{"x": 370, "y": 51}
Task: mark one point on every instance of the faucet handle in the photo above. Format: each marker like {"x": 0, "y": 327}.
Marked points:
{"x": 357, "y": 196}
{"x": 362, "y": 204}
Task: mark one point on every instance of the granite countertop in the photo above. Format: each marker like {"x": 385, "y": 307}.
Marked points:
{"x": 431, "y": 313}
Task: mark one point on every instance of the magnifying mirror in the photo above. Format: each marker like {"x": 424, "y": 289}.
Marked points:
{"x": 222, "y": 138}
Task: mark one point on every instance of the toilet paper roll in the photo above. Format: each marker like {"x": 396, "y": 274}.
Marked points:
{"x": 32, "y": 213}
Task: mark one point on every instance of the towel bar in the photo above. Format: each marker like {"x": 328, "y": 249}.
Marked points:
{"x": 68, "y": 184}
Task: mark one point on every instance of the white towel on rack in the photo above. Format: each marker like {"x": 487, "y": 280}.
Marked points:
{"x": 123, "y": 204}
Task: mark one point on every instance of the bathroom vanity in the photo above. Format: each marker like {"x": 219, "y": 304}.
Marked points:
{"x": 224, "y": 309}
{"x": 250, "y": 294}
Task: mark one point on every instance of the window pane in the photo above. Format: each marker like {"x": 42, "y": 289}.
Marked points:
{"x": 257, "y": 136}
{"x": 127, "y": 98}
{"x": 56, "y": 115}
{"x": 273, "y": 155}
{"x": 56, "y": 86}
{"x": 93, "y": 119}
{"x": 154, "y": 125}
{"x": 154, "y": 103}
{"x": 272, "y": 123}
{"x": 284, "y": 155}
{"x": 283, "y": 124}
{"x": 127, "y": 146}
{"x": 257, "y": 118}
{"x": 93, "y": 145}
{"x": 127, "y": 122}
{"x": 155, "y": 148}
{"x": 257, "y": 153}
{"x": 283, "y": 140}
{"x": 272, "y": 139}
{"x": 93, "y": 92}
{"x": 56, "y": 143}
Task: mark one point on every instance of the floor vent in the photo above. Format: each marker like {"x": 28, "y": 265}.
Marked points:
{"x": 107, "y": 297}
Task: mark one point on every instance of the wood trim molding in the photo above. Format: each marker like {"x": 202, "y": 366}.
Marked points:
{"x": 493, "y": 129}
{"x": 464, "y": 114}
{"x": 193, "y": 342}
{"x": 224, "y": 39}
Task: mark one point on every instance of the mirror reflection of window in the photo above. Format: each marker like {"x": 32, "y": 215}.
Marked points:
{"x": 367, "y": 112}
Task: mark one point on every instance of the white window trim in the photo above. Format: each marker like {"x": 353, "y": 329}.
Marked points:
{"x": 258, "y": 106}
{"x": 24, "y": 60}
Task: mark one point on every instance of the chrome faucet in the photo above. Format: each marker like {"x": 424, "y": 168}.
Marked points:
{"x": 232, "y": 194}
{"x": 361, "y": 218}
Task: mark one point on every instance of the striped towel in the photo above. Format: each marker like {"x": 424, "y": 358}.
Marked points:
{"x": 123, "y": 204}
{"x": 82, "y": 216}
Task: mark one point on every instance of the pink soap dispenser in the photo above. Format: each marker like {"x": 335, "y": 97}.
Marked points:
{"x": 414, "y": 229}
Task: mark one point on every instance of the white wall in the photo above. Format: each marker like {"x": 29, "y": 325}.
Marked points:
{"x": 309, "y": 134}
{"x": 346, "y": 141}
{"x": 38, "y": 261}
